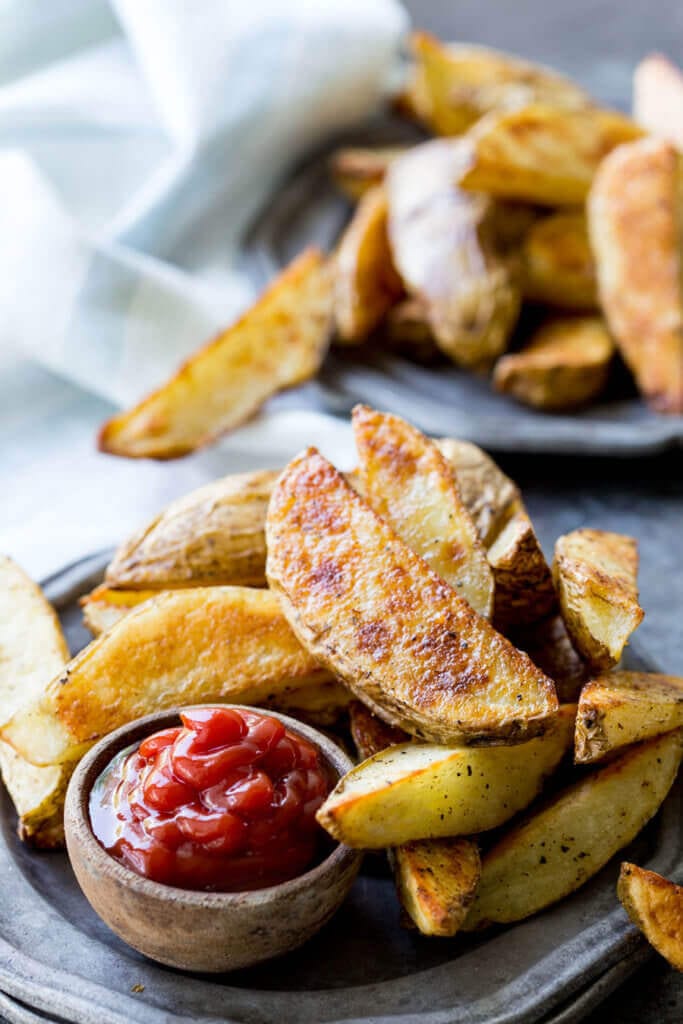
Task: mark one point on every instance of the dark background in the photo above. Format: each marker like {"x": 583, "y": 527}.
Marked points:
{"x": 599, "y": 43}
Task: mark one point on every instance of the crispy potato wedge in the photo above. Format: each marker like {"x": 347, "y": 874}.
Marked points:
{"x": 406, "y": 331}
{"x": 556, "y": 849}
{"x": 423, "y": 791}
{"x": 658, "y": 98}
{"x": 213, "y": 535}
{"x": 356, "y": 596}
{"x": 548, "y": 645}
{"x": 366, "y": 284}
{"x": 491, "y": 497}
{"x": 32, "y": 650}
{"x": 625, "y": 707}
{"x": 279, "y": 342}
{"x": 183, "y": 647}
{"x": 595, "y": 574}
{"x": 542, "y": 154}
{"x": 371, "y": 734}
{"x": 103, "y": 607}
{"x": 445, "y": 249}
{"x": 436, "y": 880}
{"x": 634, "y": 215}
{"x": 355, "y": 170}
{"x": 556, "y": 262}
{"x": 565, "y": 364}
{"x": 655, "y": 905}
{"x": 320, "y": 704}
{"x": 524, "y": 590}
{"x": 408, "y": 481}
{"x": 456, "y": 85}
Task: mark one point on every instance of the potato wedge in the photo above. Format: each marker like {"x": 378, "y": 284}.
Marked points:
{"x": 625, "y": 707}
{"x": 103, "y": 608}
{"x": 32, "y": 650}
{"x": 371, "y": 734}
{"x": 542, "y": 154}
{"x": 279, "y": 342}
{"x": 524, "y": 590}
{"x": 436, "y": 881}
{"x": 556, "y": 262}
{"x": 635, "y": 221}
{"x": 456, "y": 85}
{"x": 423, "y": 791}
{"x": 445, "y": 249}
{"x": 595, "y": 574}
{"x": 366, "y": 284}
{"x": 491, "y": 497}
{"x": 321, "y": 704}
{"x": 182, "y": 647}
{"x": 658, "y": 98}
{"x": 406, "y": 332}
{"x": 382, "y": 620}
{"x": 655, "y": 905}
{"x": 355, "y": 170}
{"x": 408, "y": 481}
{"x": 548, "y": 645}
{"x": 213, "y": 535}
{"x": 556, "y": 849}
{"x": 565, "y": 364}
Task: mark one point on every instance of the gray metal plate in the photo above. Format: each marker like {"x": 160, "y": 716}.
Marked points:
{"x": 58, "y": 961}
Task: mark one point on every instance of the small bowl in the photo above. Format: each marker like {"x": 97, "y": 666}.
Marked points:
{"x": 193, "y": 930}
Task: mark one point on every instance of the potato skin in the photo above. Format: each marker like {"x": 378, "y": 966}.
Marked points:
{"x": 655, "y": 905}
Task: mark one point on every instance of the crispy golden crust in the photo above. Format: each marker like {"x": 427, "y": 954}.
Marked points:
{"x": 655, "y": 905}
{"x": 366, "y": 284}
{"x": 635, "y": 225}
{"x": 371, "y": 734}
{"x": 548, "y": 645}
{"x": 542, "y": 154}
{"x": 103, "y": 608}
{"x": 524, "y": 590}
{"x": 279, "y": 342}
{"x": 436, "y": 880}
{"x": 556, "y": 262}
{"x": 658, "y": 98}
{"x": 355, "y": 170}
{"x": 375, "y": 613}
{"x": 445, "y": 249}
{"x": 565, "y": 364}
{"x": 408, "y": 481}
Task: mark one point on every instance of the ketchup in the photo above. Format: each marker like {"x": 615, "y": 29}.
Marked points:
{"x": 225, "y": 802}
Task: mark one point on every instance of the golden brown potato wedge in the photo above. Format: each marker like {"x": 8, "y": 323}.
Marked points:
{"x": 355, "y": 170}
{"x": 366, "y": 284}
{"x": 565, "y": 364}
{"x": 436, "y": 881}
{"x": 596, "y": 578}
{"x": 423, "y": 791}
{"x": 542, "y": 154}
{"x": 556, "y": 262}
{"x": 103, "y": 607}
{"x": 279, "y": 342}
{"x": 556, "y": 849}
{"x": 213, "y": 535}
{"x": 408, "y": 481}
{"x": 406, "y": 331}
{"x": 183, "y": 647}
{"x": 445, "y": 249}
{"x": 655, "y": 905}
{"x": 658, "y": 98}
{"x": 356, "y": 595}
{"x": 624, "y": 707}
{"x": 524, "y": 590}
{"x": 32, "y": 650}
{"x": 371, "y": 734}
{"x": 490, "y": 496}
{"x": 455, "y": 85}
{"x": 635, "y": 222}
{"x": 321, "y": 704}
{"x": 548, "y": 645}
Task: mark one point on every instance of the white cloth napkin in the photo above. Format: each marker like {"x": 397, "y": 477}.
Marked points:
{"x": 137, "y": 140}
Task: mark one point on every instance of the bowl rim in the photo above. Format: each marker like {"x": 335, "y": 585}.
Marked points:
{"x": 79, "y": 830}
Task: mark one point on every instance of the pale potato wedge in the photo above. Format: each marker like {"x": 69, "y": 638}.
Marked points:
{"x": 424, "y": 791}
{"x": 457, "y": 84}
{"x": 542, "y": 154}
{"x": 548, "y": 645}
{"x": 408, "y": 481}
{"x": 366, "y": 284}
{"x": 658, "y": 98}
{"x": 491, "y": 497}
{"x": 596, "y": 578}
{"x": 524, "y": 590}
{"x": 445, "y": 249}
{"x": 383, "y": 621}
{"x": 556, "y": 262}
{"x": 279, "y": 342}
{"x": 635, "y": 223}
{"x": 406, "y": 331}
{"x": 436, "y": 881}
{"x": 355, "y": 170}
{"x": 103, "y": 607}
{"x": 625, "y": 707}
{"x": 558, "y": 848}
{"x": 565, "y": 364}
{"x": 32, "y": 649}
{"x": 213, "y": 535}
{"x": 183, "y": 647}
{"x": 655, "y": 905}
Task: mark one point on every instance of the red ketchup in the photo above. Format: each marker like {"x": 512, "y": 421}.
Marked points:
{"x": 226, "y": 802}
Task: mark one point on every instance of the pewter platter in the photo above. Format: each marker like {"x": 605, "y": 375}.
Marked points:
{"x": 59, "y": 963}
